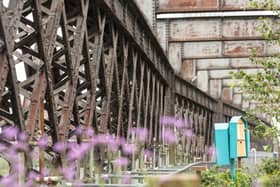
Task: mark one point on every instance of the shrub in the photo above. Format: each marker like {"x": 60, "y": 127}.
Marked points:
{"x": 270, "y": 173}
{"x": 269, "y": 166}
{"x": 243, "y": 179}
{"x": 217, "y": 178}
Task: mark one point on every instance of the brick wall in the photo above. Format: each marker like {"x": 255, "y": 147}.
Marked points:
{"x": 205, "y": 50}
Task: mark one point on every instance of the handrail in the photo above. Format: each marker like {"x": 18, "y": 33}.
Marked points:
{"x": 194, "y": 94}
{"x": 189, "y": 166}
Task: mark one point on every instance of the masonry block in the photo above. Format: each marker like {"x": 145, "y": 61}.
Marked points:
{"x": 188, "y": 70}
{"x": 190, "y": 29}
{"x": 175, "y": 56}
{"x": 161, "y": 34}
{"x": 227, "y": 94}
{"x": 237, "y": 99}
{"x": 202, "y": 49}
{"x": 202, "y": 80}
{"x": 209, "y": 64}
{"x": 216, "y": 88}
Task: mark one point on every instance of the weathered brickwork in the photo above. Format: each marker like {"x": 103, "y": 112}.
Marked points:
{"x": 203, "y": 5}
{"x": 205, "y": 50}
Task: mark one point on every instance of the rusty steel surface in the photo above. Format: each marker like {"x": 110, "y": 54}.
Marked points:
{"x": 202, "y": 5}
{"x": 4, "y": 69}
{"x": 95, "y": 64}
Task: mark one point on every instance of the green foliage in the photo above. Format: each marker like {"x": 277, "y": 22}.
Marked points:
{"x": 268, "y": 176}
{"x": 267, "y": 4}
{"x": 243, "y": 179}
{"x": 265, "y": 132}
{"x": 260, "y": 130}
{"x": 270, "y": 180}
{"x": 269, "y": 166}
{"x": 216, "y": 178}
{"x": 270, "y": 173}
{"x": 263, "y": 87}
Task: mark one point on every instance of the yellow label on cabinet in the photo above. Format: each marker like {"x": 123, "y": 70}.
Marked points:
{"x": 241, "y": 144}
{"x": 240, "y": 130}
{"x": 241, "y": 148}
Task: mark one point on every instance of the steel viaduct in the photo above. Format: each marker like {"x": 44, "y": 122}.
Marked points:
{"x": 96, "y": 63}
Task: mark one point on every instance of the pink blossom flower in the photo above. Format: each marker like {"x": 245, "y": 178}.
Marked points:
{"x": 89, "y": 132}
{"x": 10, "y": 132}
{"x": 45, "y": 172}
{"x": 169, "y": 136}
{"x": 3, "y": 147}
{"x": 132, "y": 130}
{"x": 212, "y": 151}
{"x": 77, "y": 151}
{"x": 102, "y": 139}
{"x": 121, "y": 161}
{"x": 78, "y": 130}
{"x": 13, "y": 154}
{"x": 32, "y": 175}
{"x": 43, "y": 142}
{"x": 190, "y": 122}
{"x": 187, "y": 123}
{"x": 179, "y": 123}
{"x": 22, "y": 137}
{"x": 92, "y": 141}
{"x": 10, "y": 180}
{"x": 120, "y": 141}
{"x": 29, "y": 183}
{"x": 112, "y": 145}
{"x": 148, "y": 153}
{"x": 167, "y": 120}
{"x": 188, "y": 133}
{"x": 68, "y": 173}
{"x": 21, "y": 146}
{"x": 129, "y": 149}
{"x": 142, "y": 134}
{"x": 59, "y": 147}
{"x": 74, "y": 155}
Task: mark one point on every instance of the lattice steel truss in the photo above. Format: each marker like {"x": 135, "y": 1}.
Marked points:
{"x": 96, "y": 64}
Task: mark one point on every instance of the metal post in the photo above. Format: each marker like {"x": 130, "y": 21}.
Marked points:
{"x": 41, "y": 151}
{"x": 239, "y": 164}
{"x": 232, "y": 166}
{"x": 154, "y": 153}
{"x": 22, "y": 168}
{"x": 91, "y": 163}
{"x": 255, "y": 155}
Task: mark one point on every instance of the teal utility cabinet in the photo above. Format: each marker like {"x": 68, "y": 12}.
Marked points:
{"x": 239, "y": 138}
{"x": 221, "y": 138}
{"x": 232, "y": 141}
